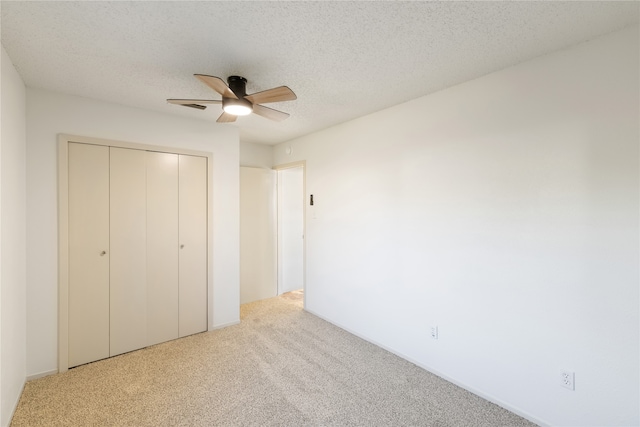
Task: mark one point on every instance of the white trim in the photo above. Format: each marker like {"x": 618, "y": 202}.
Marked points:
{"x": 15, "y": 405}
{"x": 63, "y": 253}
{"x": 63, "y": 229}
{"x": 291, "y": 165}
{"x": 209, "y": 240}
{"x": 41, "y": 374}
{"x": 131, "y": 145}
{"x": 225, "y": 325}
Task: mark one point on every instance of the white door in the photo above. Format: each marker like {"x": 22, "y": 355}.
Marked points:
{"x": 193, "y": 244}
{"x": 128, "y": 238}
{"x": 162, "y": 247}
{"x": 257, "y": 234}
{"x": 290, "y": 229}
{"x": 136, "y": 256}
{"x": 88, "y": 253}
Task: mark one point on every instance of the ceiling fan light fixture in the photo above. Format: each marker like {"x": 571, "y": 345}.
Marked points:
{"x": 237, "y": 107}
{"x": 235, "y": 101}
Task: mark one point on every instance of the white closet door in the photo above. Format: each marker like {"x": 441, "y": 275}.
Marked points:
{"x": 128, "y": 290}
{"x": 162, "y": 247}
{"x": 88, "y": 253}
{"x": 193, "y": 244}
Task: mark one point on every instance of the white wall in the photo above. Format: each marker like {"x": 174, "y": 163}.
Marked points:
{"x": 504, "y": 210}
{"x": 256, "y": 155}
{"x": 12, "y": 239}
{"x": 49, "y": 114}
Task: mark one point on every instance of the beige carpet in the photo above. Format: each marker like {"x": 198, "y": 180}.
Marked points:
{"x": 281, "y": 366}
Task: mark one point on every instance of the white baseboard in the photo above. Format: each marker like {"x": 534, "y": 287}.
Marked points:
{"x": 41, "y": 374}
{"x": 480, "y": 393}
{"x": 15, "y": 405}
{"x": 224, "y": 325}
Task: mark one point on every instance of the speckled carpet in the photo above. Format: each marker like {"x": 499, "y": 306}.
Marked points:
{"x": 280, "y": 366}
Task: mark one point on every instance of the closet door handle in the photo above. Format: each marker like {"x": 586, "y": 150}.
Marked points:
{"x": 181, "y": 246}
{"x": 103, "y": 253}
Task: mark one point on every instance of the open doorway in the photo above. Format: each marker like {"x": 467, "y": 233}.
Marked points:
{"x": 291, "y": 230}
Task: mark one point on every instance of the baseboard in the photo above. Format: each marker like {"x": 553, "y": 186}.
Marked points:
{"x": 15, "y": 405}
{"x": 224, "y": 325}
{"x": 41, "y": 374}
{"x": 473, "y": 390}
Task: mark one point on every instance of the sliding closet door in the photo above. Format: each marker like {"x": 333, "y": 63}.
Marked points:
{"x": 128, "y": 312}
{"x": 193, "y": 244}
{"x": 162, "y": 247}
{"x": 88, "y": 253}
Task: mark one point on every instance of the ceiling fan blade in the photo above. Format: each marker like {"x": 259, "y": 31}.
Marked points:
{"x": 277, "y": 94}
{"x": 193, "y": 103}
{"x": 226, "y": 118}
{"x": 270, "y": 113}
{"x": 217, "y": 84}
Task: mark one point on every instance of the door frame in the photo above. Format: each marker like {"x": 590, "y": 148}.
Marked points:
{"x": 303, "y": 164}
{"x": 63, "y": 227}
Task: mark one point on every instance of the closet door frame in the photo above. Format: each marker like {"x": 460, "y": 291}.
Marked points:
{"x": 63, "y": 228}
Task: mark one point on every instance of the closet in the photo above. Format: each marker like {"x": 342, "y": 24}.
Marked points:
{"x": 137, "y": 249}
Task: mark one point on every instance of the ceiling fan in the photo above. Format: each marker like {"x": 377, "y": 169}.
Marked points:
{"x": 235, "y": 101}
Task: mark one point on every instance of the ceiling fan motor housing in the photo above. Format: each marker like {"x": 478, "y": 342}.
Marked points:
{"x": 240, "y": 106}
{"x": 238, "y": 85}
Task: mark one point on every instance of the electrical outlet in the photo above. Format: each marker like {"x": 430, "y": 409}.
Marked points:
{"x": 567, "y": 379}
{"x": 434, "y": 332}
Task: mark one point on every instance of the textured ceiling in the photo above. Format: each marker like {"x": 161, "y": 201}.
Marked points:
{"x": 343, "y": 59}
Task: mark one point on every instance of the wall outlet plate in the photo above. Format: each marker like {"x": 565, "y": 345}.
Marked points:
{"x": 568, "y": 379}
